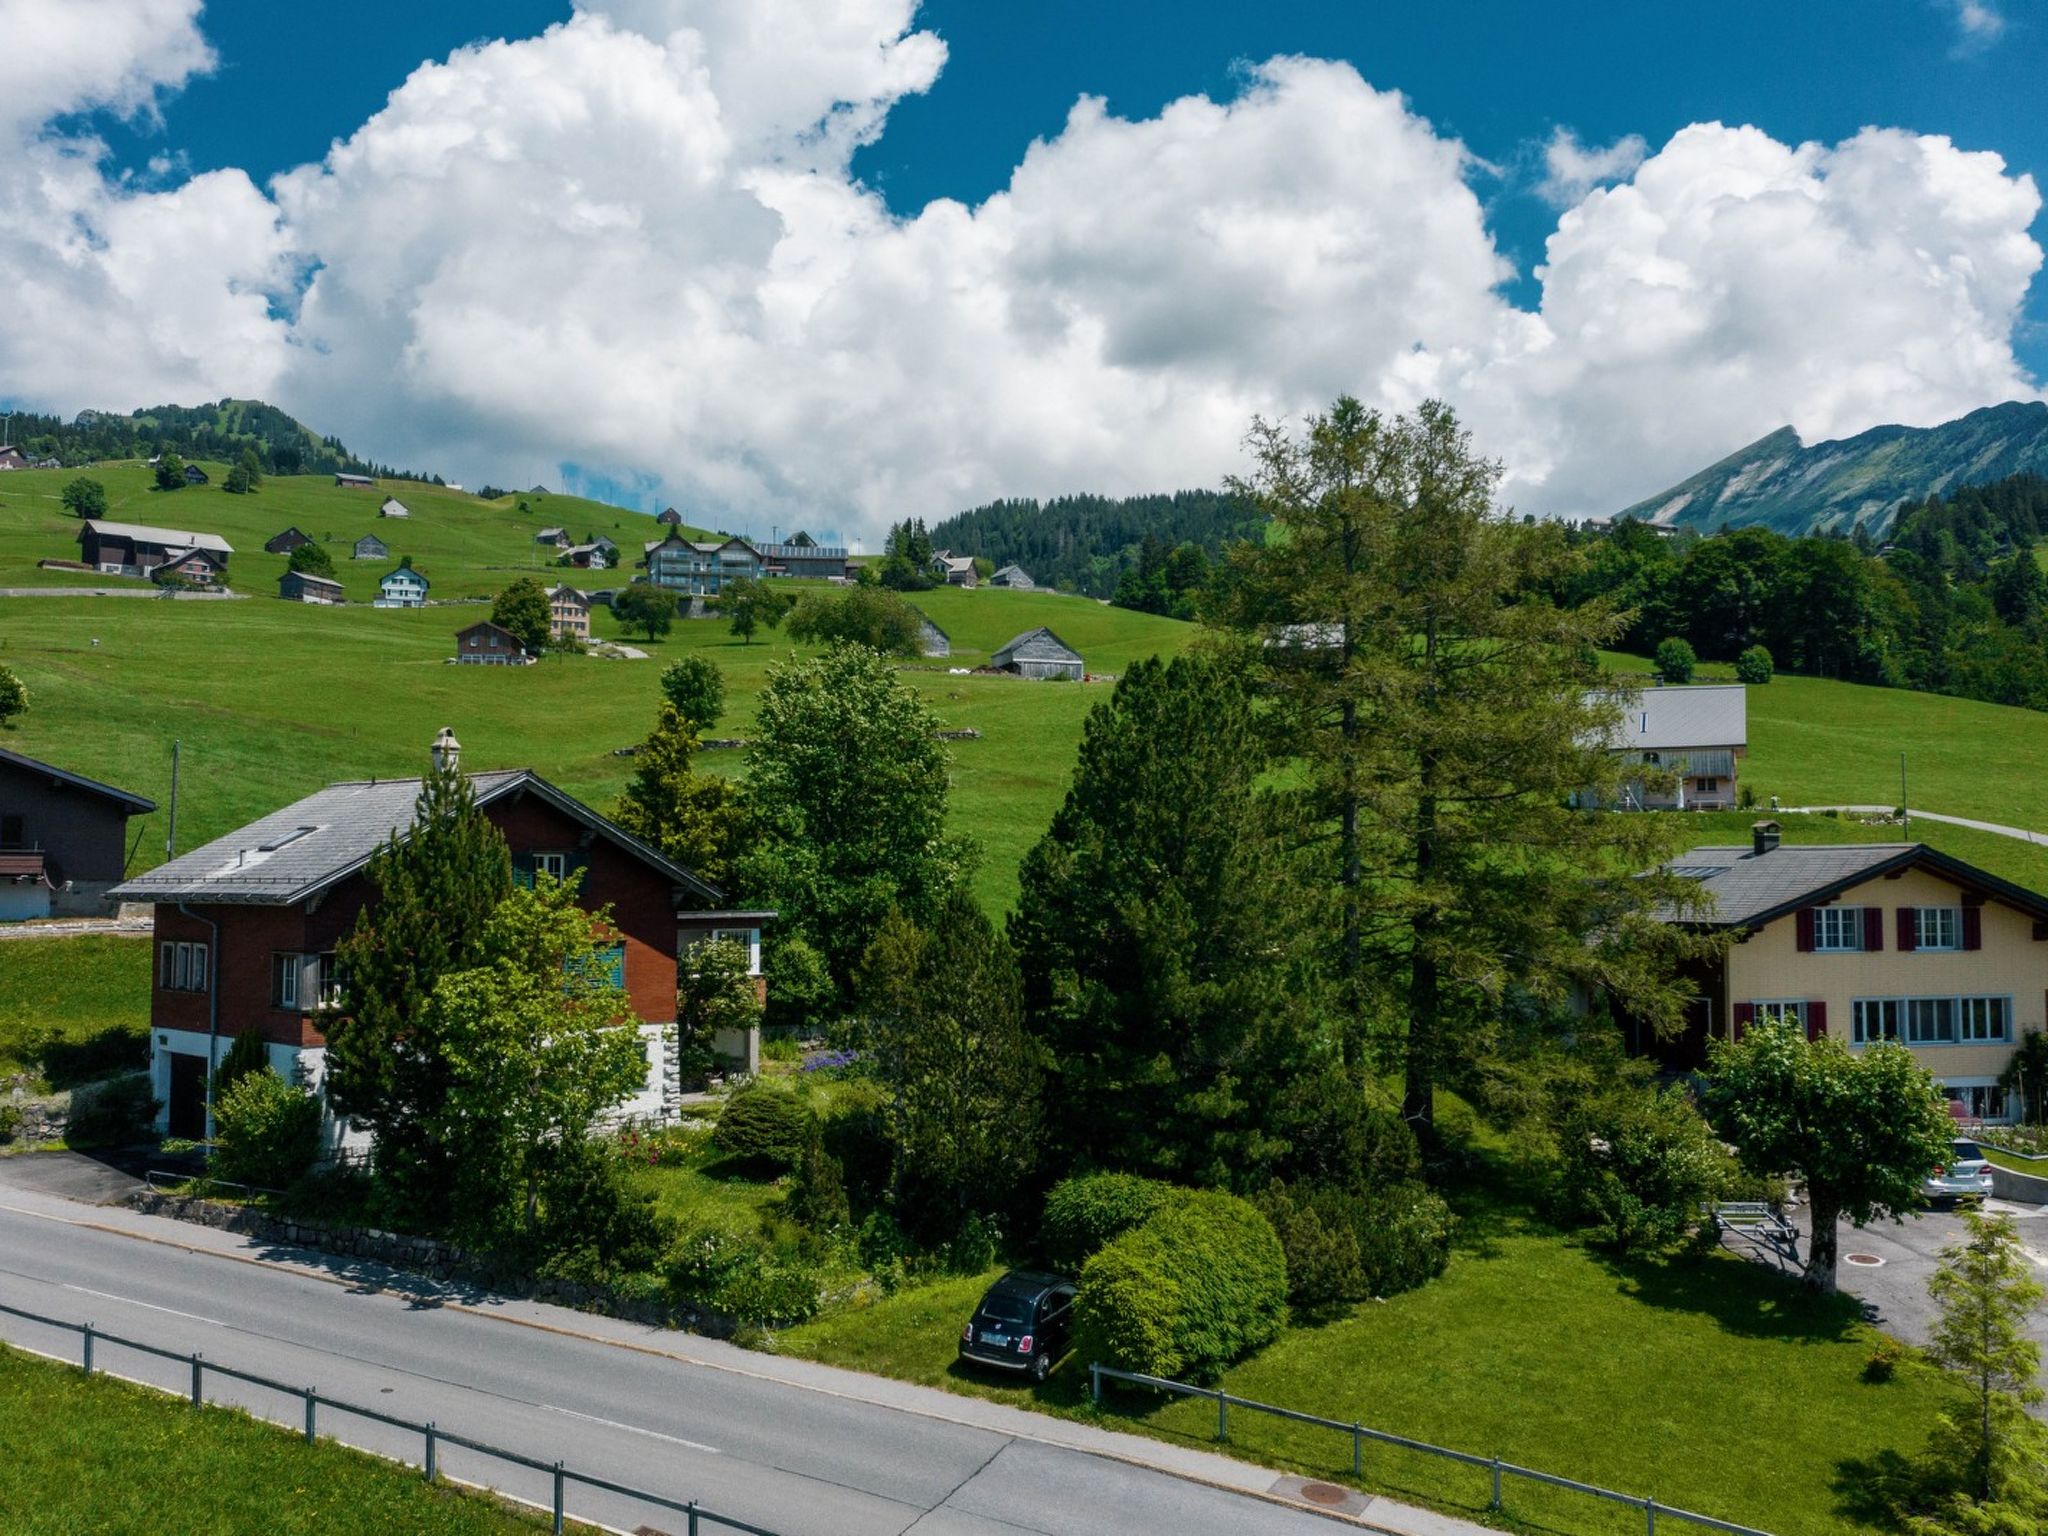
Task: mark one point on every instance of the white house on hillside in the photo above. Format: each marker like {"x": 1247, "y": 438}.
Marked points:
{"x": 1701, "y": 733}
{"x": 403, "y": 588}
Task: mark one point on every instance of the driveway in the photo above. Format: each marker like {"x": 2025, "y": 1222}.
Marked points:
{"x": 1893, "y": 1289}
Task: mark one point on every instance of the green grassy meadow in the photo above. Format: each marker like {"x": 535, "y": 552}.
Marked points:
{"x": 120, "y": 1460}
{"x": 72, "y": 1009}
{"x": 465, "y": 547}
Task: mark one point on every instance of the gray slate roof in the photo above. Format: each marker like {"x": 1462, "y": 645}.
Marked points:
{"x": 135, "y": 804}
{"x": 295, "y": 853}
{"x": 1747, "y": 885}
{"x": 1041, "y": 644}
{"x": 1706, "y": 715}
{"x": 170, "y": 538}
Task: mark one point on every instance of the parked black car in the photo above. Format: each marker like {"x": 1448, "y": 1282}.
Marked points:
{"x": 1022, "y": 1324}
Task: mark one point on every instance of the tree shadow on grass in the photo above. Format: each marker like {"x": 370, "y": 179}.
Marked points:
{"x": 1745, "y": 1299}
{"x": 1873, "y": 1490}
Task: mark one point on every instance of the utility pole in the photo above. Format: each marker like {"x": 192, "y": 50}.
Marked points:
{"x": 171, "y": 838}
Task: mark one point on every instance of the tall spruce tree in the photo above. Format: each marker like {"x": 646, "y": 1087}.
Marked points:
{"x": 1162, "y": 936}
{"x": 1445, "y": 724}
{"x": 694, "y": 818}
{"x": 436, "y": 889}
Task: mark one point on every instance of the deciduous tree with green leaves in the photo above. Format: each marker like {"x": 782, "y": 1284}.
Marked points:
{"x": 13, "y": 695}
{"x": 714, "y": 992}
{"x": 1167, "y": 966}
{"x": 312, "y": 558}
{"x": 1862, "y": 1129}
{"x": 695, "y": 686}
{"x": 436, "y": 889}
{"x": 523, "y": 609}
{"x": 847, "y": 786}
{"x": 945, "y": 1026}
{"x": 170, "y": 472}
{"x": 871, "y": 616}
{"x": 643, "y": 606}
{"x": 750, "y": 605}
{"x": 697, "y": 819}
{"x": 1444, "y": 724}
{"x": 538, "y": 1043}
{"x": 85, "y": 497}
{"x": 1986, "y": 1290}
{"x": 1676, "y": 660}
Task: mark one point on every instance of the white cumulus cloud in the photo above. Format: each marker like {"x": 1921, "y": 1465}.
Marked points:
{"x": 634, "y": 244}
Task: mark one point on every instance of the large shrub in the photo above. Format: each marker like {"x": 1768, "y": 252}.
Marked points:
{"x": 760, "y": 1124}
{"x": 1676, "y": 660}
{"x": 1085, "y": 1212}
{"x": 1198, "y": 1285}
{"x": 111, "y": 1113}
{"x": 1754, "y": 666}
{"x": 266, "y": 1131}
{"x": 720, "y": 1263}
{"x": 1345, "y": 1246}
{"x": 1635, "y": 1164}
{"x": 13, "y": 695}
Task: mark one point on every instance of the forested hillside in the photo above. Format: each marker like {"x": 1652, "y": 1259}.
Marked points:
{"x": 1085, "y": 544}
{"x": 1956, "y": 602}
{"x": 220, "y": 430}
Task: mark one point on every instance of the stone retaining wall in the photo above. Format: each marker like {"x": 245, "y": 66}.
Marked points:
{"x": 431, "y": 1259}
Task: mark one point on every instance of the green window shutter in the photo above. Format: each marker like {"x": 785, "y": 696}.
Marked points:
{"x": 522, "y": 870}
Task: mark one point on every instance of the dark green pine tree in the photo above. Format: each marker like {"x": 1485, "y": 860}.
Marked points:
{"x": 435, "y": 889}
{"x": 1164, "y": 945}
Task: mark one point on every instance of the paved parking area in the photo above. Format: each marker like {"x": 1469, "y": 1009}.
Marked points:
{"x": 1894, "y": 1289}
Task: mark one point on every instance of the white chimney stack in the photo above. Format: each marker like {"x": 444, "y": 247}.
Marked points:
{"x": 447, "y": 750}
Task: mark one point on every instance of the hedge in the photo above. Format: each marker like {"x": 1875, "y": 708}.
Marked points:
{"x": 1199, "y": 1284}
{"x": 1087, "y": 1211}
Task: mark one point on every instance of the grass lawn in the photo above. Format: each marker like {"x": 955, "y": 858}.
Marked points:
{"x": 1710, "y": 1384}
{"x": 104, "y": 1456}
{"x": 271, "y": 700}
{"x": 73, "y": 1009}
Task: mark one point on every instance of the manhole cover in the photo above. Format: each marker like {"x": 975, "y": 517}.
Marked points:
{"x": 1867, "y": 1260}
{"x": 1325, "y": 1493}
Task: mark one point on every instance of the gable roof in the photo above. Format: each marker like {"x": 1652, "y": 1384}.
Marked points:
{"x": 288, "y": 539}
{"x": 295, "y": 853}
{"x": 470, "y": 629}
{"x": 404, "y": 570}
{"x": 1026, "y": 638}
{"x": 136, "y": 804}
{"x": 371, "y": 541}
{"x": 307, "y": 578}
{"x": 566, "y": 591}
{"x": 170, "y": 538}
{"x": 1701, "y": 715}
{"x": 550, "y": 535}
{"x": 392, "y": 501}
{"x": 1751, "y": 888}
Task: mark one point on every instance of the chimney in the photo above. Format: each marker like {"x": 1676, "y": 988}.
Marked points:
{"x": 447, "y": 750}
{"x": 1763, "y": 837}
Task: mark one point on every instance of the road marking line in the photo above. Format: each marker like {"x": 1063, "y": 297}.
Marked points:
{"x": 631, "y": 1429}
{"x": 130, "y": 1301}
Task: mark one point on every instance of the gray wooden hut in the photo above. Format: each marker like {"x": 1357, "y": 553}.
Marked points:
{"x": 1039, "y": 653}
{"x": 932, "y": 640}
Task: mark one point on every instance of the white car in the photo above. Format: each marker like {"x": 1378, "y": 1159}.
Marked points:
{"x": 1966, "y": 1174}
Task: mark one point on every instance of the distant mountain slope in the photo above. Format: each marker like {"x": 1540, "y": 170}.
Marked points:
{"x": 1860, "y": 480}
{"x": 1084, "y": 543}
{"x": 218, "y": 431}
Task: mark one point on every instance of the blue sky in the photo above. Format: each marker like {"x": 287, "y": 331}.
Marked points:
{"x": 1498, "y": 75}
{"x": 829, "y": 263}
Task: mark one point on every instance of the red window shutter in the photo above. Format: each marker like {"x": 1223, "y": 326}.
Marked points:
{"x": 1817, "y": 1019}
{"x": 1806, "y": 930}
{"x": 1973, "y": 927}
{"x": 1745, "y": 1015}
{"x": 1909, "y": 929}
{"x": 1873, "y": 928}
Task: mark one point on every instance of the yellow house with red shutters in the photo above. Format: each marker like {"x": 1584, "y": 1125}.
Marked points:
{"x": 1868, "y": 942}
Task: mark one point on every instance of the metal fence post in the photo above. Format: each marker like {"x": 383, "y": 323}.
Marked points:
{"x": 1650, "y": 1513}
{"x": 430, "y": 1450}
{"x": 691, "y": 1511}
{"x": 1496, "y": 1484}
{"x": 558, "y": 1499}
{"x": 197, "y": 1367}
{"x": 312, "y": 1408}
{"x": 1222, "y": 1416}
{"x": 88, "y": 1349}
{"x": 1357, "y": 1451}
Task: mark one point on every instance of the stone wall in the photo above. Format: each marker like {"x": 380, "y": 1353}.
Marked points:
{"x": 432, "y": 1259}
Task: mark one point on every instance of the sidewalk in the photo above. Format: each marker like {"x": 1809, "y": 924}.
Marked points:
{"x": 1362, "y": 1511}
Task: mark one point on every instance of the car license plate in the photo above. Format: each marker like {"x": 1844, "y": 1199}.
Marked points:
{"x": 995, "y": 1338}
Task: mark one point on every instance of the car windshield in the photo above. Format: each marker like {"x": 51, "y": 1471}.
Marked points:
{"x": 1005, "y": 1309}
{"x": 1968, "y": 1152}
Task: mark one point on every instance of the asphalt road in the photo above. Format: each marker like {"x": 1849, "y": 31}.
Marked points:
{"x": 802, "y": 1459}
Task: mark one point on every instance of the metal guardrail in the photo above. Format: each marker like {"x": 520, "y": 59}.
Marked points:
{"x": 1360, "y": 1433}
{"x": 700, "y": 1520}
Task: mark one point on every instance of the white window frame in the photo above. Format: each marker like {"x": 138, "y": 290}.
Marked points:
{"x": 1928, "y": 923}
{"x": 181, "y": 966}
{"x": 1775, "y": 1010}
{"x": 285, "y": 969}
{"x": 556, "y": 864}
{"x": 748, "y": 939}
{"x": 1837, "y": 930}
{"x": 1974, "y": 1019}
